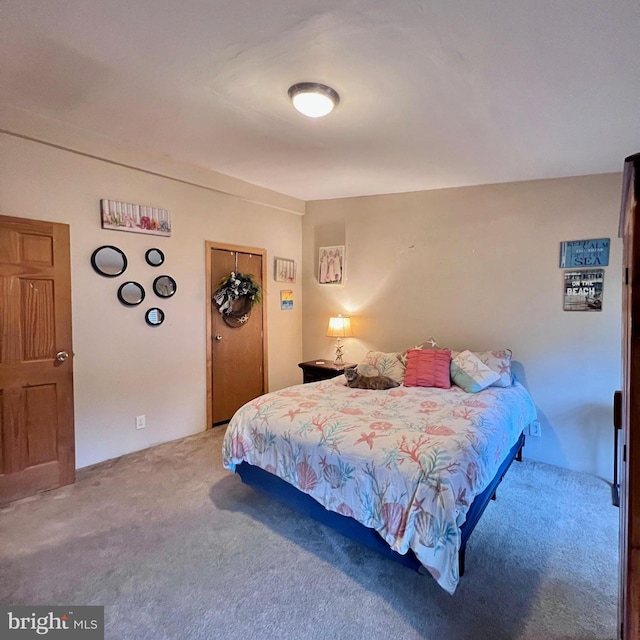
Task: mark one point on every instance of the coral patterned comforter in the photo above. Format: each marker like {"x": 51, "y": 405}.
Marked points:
{"x": 407, "y": 462}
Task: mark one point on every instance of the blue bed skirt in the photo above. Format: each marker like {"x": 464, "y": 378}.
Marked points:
{"x": 303, "y": 503}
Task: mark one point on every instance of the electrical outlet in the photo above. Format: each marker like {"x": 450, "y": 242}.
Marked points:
{"x": 140, "y": 422}
{"x": 534, "y": 429}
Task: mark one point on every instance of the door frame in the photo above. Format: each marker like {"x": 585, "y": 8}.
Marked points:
{"x": 629, "y": 492}
{"x": 209, "y": 291}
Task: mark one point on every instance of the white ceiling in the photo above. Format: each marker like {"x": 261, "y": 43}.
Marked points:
{"x": 434, "y": 94}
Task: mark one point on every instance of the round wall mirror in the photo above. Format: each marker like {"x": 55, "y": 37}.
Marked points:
{"x": 154, "y": 257}
{"x": 109, "y": 261}
{"x": 131, "y": 294}
{"x": 164, "y": 286}
{"x": 154, "y": 316}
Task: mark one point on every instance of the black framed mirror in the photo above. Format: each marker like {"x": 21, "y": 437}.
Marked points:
{"x": 109, "y": 261}
{"x": 154, "y": 257}
{"x": 154, "y": 316}
{"x": 130, "y": 293}
{"x": 164, "y": 286}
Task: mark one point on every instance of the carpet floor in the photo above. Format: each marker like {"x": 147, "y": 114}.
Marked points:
{"x": 174, "y": 546}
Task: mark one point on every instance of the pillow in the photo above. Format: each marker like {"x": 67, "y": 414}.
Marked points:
{"x": 428, "y": 368}
{"x": 429, "y": 344}
{"x": 471, "y": 374}
{"x": 376, "y": 363}
{"x": 498, "y": 360}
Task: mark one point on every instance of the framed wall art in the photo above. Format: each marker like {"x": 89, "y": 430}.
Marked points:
{"x": 583, "y": 290}
{"x": 284, "y": 270}
{"x": 286, "y": 299}
{"x": 331, "y": 265}
{"x": 125, "y": 216}
{"x": 584, "y": 253}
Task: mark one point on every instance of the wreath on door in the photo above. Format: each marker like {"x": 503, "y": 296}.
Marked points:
{"x": 235, "y": 296}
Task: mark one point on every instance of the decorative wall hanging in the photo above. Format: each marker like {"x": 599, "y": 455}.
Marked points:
{"x": 154, "y": 317}
{"x": 124, "y": 216}
{"x": 584, "y": 253}
{"x": 154, "y": 257}
{"x": 583, "y": 290}
{"x": 286, "y": 299}
{"x": 235, "y": 296}
{"x": 284, "y": 270}
{"x": 331, "y": 265}
{"x": 109, "y": 261}
{"x": 131, "y": 294}
{"x": 164, "y": 286}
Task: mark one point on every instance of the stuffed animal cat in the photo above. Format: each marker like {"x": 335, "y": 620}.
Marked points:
{"x": 377, "y": 383}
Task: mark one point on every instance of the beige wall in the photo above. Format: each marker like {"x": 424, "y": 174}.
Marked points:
{"x": 474, "y": 267}
{"x": 478, "y": 268}
{"x": 122, "y": 367}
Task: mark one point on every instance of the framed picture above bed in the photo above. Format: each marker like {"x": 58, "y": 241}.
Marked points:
{"x": 331, "y": 265}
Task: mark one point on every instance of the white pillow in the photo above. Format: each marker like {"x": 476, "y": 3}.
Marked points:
{"x": 470, "y": 373}
{"x": 377, "y": 363}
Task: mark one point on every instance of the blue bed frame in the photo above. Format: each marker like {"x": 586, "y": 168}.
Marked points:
{"x": 303, "y": 503}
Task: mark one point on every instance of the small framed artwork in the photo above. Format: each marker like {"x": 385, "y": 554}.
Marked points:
{"x": 331, "y": 265}
{"x": 584, "y": 253}
{"x": 583, "y": 290}
{"x": 286, "y": 299}
{"x": 284, "y": 270}
{"x": 124, "y": 216}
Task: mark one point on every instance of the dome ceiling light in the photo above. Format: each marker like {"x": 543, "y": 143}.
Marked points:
{"x": 313, "y": 99}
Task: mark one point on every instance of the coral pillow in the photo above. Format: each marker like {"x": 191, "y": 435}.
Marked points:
{"x": 428, "y": 368}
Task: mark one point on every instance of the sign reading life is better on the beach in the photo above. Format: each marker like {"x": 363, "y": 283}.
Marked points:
{"x": 584, "y": 253}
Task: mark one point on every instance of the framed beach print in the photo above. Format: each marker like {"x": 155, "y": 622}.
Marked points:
{"x": 331, "y": 265}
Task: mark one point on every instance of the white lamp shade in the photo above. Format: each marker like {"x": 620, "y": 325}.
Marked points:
{"x": 339, "y": 327}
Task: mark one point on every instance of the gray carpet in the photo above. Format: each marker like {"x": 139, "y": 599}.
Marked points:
{"x": 176, "y": 547}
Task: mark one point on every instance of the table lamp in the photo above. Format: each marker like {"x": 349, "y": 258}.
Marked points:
{"x": 339, "y": 327}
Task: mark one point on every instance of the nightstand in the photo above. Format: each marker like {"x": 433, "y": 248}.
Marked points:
{"x": 316, "y": 370}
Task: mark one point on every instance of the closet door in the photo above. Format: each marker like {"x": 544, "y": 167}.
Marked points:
{"x": 237, "y": 349}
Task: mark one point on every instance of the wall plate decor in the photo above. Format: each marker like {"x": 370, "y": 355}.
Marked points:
{"x": 164, "y": 286}
{"x": 124, "y": 216}
{"x": 109, "y": 261}
{"x": 130, "y": 293}
{"x": 331, "y": 265}
{"x": 154, "y": 316}
{"x": 284, "y": 270}
{"x": 154, "y": 257}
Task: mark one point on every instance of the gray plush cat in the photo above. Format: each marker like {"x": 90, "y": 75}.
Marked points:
{"x": 357, "y": 381}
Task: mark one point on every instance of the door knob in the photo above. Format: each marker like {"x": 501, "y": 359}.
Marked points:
{"x": 61, "y": 356}
{"x": 218, "y": 337}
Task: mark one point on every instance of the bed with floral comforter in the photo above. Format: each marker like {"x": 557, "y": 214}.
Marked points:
{"x": 406, "y": 462}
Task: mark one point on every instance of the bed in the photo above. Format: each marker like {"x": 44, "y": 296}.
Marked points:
{"x": 407, "y": 470}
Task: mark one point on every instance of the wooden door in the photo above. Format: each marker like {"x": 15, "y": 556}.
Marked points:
{"x": 236, "y": 354}
{"x": 629, "y": 612}
{"x": 36, "y": 377}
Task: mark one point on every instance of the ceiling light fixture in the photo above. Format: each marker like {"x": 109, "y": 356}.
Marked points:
{"x": 313, "y": 99}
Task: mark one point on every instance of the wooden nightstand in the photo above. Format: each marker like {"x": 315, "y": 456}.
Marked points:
{"x": 316, "y": 370}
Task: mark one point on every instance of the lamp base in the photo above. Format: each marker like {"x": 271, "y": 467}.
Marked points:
{"x": 339, "y": 349}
